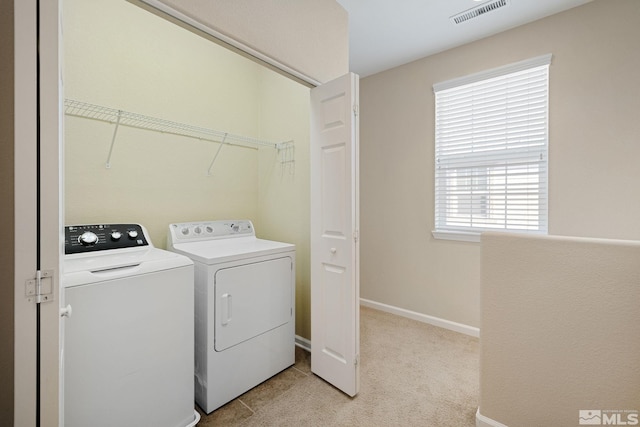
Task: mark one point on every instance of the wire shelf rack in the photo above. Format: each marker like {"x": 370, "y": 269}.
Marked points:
{"x": 140, "y": 121}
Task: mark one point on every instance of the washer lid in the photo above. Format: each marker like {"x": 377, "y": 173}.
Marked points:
{"x": 80, "y": 269}
{"x": 225, "y": 250}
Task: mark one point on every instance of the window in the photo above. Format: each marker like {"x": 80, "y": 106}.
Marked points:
{"x": 491, "y": 151}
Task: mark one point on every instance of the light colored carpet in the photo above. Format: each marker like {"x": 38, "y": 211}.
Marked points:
{"x": 412, "y": 374}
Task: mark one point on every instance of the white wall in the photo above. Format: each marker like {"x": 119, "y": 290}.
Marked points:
{"x": 593, "y": 143}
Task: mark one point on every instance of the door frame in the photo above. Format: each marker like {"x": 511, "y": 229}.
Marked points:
{"x": 38, "y": 211}
{"x": 25, "y": 208}
{"x": 48, "y": 253}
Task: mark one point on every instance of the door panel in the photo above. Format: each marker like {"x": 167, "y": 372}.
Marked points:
{"x": 334, "y": 192}
{"x": 335, "y": 295}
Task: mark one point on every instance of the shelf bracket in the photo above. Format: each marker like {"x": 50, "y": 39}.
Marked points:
{"x": 113, "y": 140}
{"x": 216, "y": 155}
{"x": 286, "y": 154}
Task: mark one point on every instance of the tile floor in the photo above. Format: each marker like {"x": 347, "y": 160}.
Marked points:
{"x": 243, "y": 407}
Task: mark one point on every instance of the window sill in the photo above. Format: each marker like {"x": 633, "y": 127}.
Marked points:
{"x": 460, "y": 236}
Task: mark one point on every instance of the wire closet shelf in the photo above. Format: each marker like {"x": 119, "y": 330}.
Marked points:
{"x": 140, "y": 121}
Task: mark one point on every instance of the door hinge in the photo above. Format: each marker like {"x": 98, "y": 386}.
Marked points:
{"x": 356, "y": 361}
{"x": 356, "y": 236}
{"x": 40, "y": 288}
{"x": 356, "y": 109}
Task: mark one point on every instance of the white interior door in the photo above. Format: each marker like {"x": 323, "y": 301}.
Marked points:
{"x": 335, "y": 287}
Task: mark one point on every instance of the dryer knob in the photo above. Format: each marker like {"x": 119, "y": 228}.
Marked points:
{"x": 132, "y": 234}
{"x": 88, "y": 238}
{"x": 116, "y": 235}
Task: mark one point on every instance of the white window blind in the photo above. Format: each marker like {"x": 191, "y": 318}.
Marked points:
{"x": 491, "y": 150}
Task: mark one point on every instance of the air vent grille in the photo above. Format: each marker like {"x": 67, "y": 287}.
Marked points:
{"x": 479, "y": 11}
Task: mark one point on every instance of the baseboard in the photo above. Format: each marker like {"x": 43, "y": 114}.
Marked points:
{"x": 482, "y": 421}
{"x": 432, "y": 320}
{"x": 303, "y": 343}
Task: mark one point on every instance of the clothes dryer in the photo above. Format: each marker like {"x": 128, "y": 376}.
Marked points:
{"x": 244, "y": 310}
{"x": 129, "y": 339}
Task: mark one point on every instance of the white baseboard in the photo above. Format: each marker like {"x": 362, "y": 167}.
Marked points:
{"x": 303, "y": 343}
{"x": 435, "y": 321}
{"x": 482, "y": 421}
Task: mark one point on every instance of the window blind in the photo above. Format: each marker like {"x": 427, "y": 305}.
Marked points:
{"x": 491, "y": 151}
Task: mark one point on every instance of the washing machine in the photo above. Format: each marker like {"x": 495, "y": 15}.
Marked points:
{"x": 245, "y": 306}
{"x": 128, "y": 353}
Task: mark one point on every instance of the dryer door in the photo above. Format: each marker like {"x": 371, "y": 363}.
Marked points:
{"x": 251, "y": 299}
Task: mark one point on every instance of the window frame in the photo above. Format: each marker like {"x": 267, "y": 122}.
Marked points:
{"x": 471, "y": 234}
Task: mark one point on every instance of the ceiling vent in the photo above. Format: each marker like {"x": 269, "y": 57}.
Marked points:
{"x": 478, "y": 11}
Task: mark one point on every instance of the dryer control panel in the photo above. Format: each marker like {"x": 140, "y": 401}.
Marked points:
{"x": 100, "y": 237}
{"x": 207, "y": 230}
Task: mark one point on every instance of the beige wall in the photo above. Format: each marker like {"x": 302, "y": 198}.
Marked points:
{"x": 121, "y": 56}
{"x": 310, "y": 36}
{"x": 283, "y": 201}
{"x": 6, "y": 212}
{"x": 560, "y": 328}
{"x": 593, "y": 143}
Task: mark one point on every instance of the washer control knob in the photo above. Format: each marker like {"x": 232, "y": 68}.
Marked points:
{"x": 88, "y": 238}
{"x": 197, "y": 230}
{"x": 185, "y": 231}
{"x": 116, "y": 235}
{"x": 132, "y": 234}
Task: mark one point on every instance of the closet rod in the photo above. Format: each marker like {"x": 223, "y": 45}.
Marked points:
{"x": 140, "y": 121}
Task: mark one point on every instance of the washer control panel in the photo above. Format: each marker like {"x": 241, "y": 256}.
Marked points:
{"x": 206, "y": 230}
{"x": 100, "y": 237}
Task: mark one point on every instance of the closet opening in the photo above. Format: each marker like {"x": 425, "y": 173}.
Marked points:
{"x": 121, "y": 59}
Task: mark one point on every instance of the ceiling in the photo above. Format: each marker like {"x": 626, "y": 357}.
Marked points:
{"x": 386, "y": 33}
